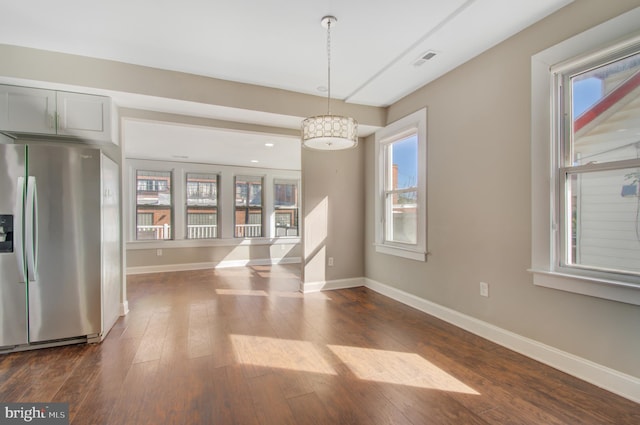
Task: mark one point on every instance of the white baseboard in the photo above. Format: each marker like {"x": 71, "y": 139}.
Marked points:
{"x": 328, "y": 285}
{"x": 124, "y": 308}
{"x": 211, "y": 265}
{"x": 609, "y": 379}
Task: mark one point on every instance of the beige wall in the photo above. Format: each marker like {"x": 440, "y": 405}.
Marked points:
{"x": 333, "y": 214}
{"x": 479, "y": 203}
{"x": 98, "y": 74}
{"x": 213, "y": 255}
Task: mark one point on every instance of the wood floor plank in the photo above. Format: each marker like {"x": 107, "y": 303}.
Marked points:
{"x": 116, "y": 359}
{"x": 243, "y": 346}
{"x": 269, "y": 402}
{"x": 423, "y": 406}
{"x": 237, "y": 396}
{"x": 309, "y": 409}
{"x": 78, "y": 383}
{"x": 129, "y": 407}
{"x": 342, "y": 402}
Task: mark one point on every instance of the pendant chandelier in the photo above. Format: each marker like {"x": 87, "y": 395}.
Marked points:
{"x": 329, "y": 132}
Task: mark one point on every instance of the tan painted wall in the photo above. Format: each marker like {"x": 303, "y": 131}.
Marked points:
{"x": 217, "y": 254}
{"x": 59, "y": 68}
{"x": 479, "y": 202}
{"x": 333, "y": 214}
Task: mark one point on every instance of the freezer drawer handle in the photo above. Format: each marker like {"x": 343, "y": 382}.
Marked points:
{"x": 31, "y": 229}
{"x": 18, "y": 236}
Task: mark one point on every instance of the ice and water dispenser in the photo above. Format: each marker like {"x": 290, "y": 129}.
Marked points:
{"x": 6, "y": 233}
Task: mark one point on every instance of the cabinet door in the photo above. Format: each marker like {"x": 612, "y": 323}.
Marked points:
{"x": 84, "y": 116}
{"x": 27, "y": 110}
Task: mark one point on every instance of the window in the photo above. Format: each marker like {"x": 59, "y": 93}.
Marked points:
{"x": 202, "y": 206}
{"x": 219, "y": 205}
{"x": 598, "y": 166}
{"x": 248, "y": 217}
{"x": 401, "y": 187}
{"x": 585, "y": 203}
{"x": 285, "y": 204}
{"x": 400, "y": 192}
{"x": 153, "y": 205}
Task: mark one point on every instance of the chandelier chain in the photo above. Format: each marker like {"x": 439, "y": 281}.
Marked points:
{"x": 329, "y": 67}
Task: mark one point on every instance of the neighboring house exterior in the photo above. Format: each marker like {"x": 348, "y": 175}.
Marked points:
{"x": 606, "y": 204}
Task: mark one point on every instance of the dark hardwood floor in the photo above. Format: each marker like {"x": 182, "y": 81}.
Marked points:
{"x": 243, "y": 346}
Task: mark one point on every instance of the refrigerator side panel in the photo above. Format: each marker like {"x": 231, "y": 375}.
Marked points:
{"x": 13, "y": 293}
{"x": 111, "y": 267}
{"x": 64, "y": 300}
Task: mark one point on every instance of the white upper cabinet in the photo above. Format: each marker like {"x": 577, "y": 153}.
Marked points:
{"x": 83, "y": 115}
{"x": 27, "y": 110}
{"x": 40, "y": 111}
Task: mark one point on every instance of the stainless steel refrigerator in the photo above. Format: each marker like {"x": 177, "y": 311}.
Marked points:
{"x": 59, "y": 244}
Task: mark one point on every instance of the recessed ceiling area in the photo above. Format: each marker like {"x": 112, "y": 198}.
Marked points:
{"x": 189, "y": 143}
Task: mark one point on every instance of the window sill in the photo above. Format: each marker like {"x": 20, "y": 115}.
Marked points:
{"x": 401, "y": 252}
{"x": 203, "y": 243}
{"x": 595, "y": 287}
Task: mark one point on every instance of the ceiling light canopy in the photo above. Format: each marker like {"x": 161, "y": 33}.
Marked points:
{"x": 329, "y": 132}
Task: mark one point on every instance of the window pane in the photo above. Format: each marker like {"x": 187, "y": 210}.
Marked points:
{"x": 401, "y": 217}
{"x": 285, "y": 204}
{"x": 153, "y": 205}
{"x": 248, "y": 191}
{"x": 605, "y": 106}
{"x": 402, "y": 156}
{"x": 286, "y": 193}
{"x": 248, "y": 215}
{"x": 202, "y": 223}
{"x": 202, "y": 206}
{"x": 604, "y": 228}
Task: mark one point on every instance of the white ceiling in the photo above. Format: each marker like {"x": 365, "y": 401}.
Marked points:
{"x": 188, "y": 143}
{"x": 278, "y": 43}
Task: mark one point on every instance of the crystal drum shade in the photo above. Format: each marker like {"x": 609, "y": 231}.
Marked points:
{"x": 330, "y": 132}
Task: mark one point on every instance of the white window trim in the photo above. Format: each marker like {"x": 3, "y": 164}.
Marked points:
{"x": 226, "y": 203}
{"x": 543, "y": 255}
{"x": 416, "y": 121}
{"x": 265, "y": 194}
{"x": 274, "y": 210}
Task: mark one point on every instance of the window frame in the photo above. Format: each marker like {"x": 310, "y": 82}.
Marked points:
{"x": 250, "y": 179}
{"x": 415, "y": 123}
{"x": 548, "y": 195}
{"x": 155, "y": 188}
{"x": 562, "y": 160}
{"x": 214, "y": 187}
{"x": 296, "y": 206}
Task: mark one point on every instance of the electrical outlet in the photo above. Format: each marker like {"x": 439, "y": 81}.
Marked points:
{"x": 484, "y": 289}
{"x": 330, "y": 262}
{"x": 159, "y": 252}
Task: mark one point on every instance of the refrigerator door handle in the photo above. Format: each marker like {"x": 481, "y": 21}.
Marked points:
{"x": 31, "y": 229}
{"x": 18, "y": 235}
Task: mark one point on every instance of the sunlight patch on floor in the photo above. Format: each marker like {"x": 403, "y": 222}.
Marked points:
{"x": 233, "y": 272}
{"x": 400, "y": 368}
{"x": 245, "y": 292}
{"x": 281, "y": 294}
{"x": 278, "y": 275}
{"x": 280, "y": 353}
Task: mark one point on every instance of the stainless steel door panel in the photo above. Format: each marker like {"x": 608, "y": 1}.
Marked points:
{"x": 64, "y": 300}
{"x": 13, "y": 293}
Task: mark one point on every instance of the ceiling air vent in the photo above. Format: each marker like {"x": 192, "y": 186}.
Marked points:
{"x": 428, "y": 55}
